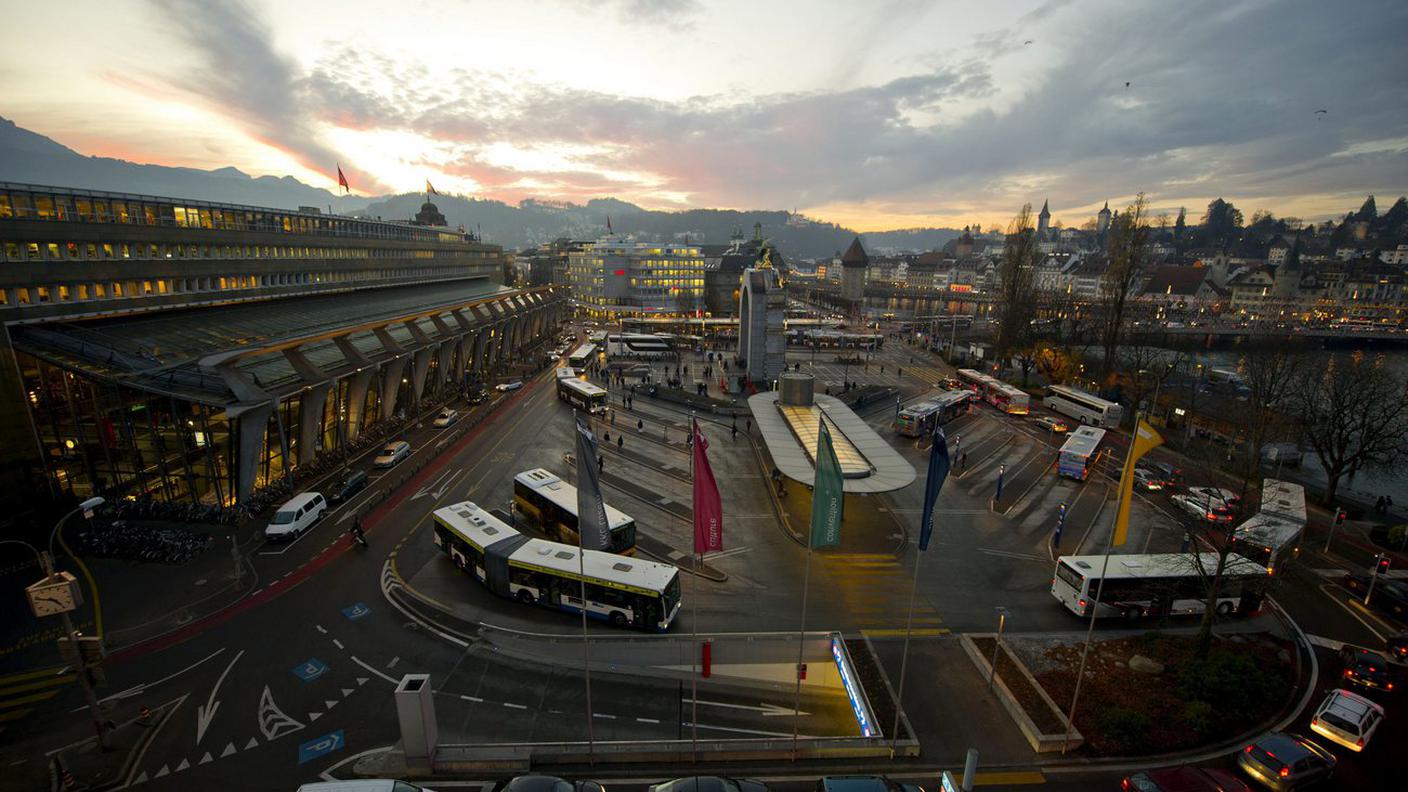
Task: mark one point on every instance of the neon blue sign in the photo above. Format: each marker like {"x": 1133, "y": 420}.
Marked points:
{"x": 853, "y": 691}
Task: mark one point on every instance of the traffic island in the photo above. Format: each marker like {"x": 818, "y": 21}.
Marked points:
{"x": 1036, "y": 715}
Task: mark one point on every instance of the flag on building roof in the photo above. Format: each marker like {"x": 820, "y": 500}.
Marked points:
{"x": 430, "y": 188}
{"x": 342, "y": 180}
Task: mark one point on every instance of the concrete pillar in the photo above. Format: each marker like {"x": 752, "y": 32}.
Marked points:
{"x": 445, "y": 363}
{"x": 392, "y": 371}
{"x": 480, "y": 345}
{"x": 415, "y": 713}
{"x": 251, "y": 422}
{"x": 310, "y": 417}
{"x": 418, "y": 370}
{"x": 464, "y": 349}
{"x": 357, "y": 400}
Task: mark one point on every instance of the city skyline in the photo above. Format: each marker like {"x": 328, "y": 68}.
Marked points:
{"x": 860, "y": 119}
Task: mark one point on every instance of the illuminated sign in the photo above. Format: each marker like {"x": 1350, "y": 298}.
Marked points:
{"x": 853, "y": 691}
{"x": 618, "y": 272}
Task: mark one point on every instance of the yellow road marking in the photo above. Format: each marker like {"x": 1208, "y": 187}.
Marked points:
{"x": 1006, "y": 777}
{"x": 15, "y": 715}
{"x": 900, "y": 632}
{"x": 33, "y": 699}
{"x": 43, "y": 683}
{"x": 29, "y": 675}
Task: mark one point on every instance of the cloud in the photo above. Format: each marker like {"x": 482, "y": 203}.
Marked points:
{"x": 240, "y": 75}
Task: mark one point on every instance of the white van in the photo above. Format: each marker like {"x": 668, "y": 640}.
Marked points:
{"x": 296, "y": 516}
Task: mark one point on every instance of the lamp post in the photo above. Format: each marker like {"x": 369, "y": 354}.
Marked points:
{"x": 997, "y": 641}
{"x": 60, "y": 591}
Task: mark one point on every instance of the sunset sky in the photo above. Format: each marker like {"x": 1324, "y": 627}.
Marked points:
{"x": 877, "y": 115}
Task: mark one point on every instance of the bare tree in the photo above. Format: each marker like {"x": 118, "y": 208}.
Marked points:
{"x": 1269, "y": 372}
{"x": 1018, "y": 287}
{"x": 1354, "y": 414}
{"x": 1128, "y": 240}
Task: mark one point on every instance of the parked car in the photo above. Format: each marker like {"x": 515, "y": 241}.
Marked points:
{"x": 1366, "y": 668}
{"x": 295, "y": 516}
{"x": 1390, "y": 595}
{"x": 546, "y": 783}
{"x": 351, "y": 483}
{"x": 1347, "y": 718}
{"x": 1049, "y": 424}
{"x": 511, "y": 385}
{"x": 1397, "y": 647}
{"x": 554, "y": 356}
{"x": 710, "y": 784}
{"x": 1167, "y": 474}
{"x": 364, "y": 785}
{"x": 1147, "y": 481}
{"x": 864, "y": 783}
{"x": 1207, "y": 503}
{"x": 392, "y": 454}
{"x": 445, "y": 418}
{"x": 478, "y": 397}
{"x": 1282, "y": 761}
{"x": 1184, "y": 779}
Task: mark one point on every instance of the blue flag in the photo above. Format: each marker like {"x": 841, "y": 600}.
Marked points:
{"x": 938, "y": 471}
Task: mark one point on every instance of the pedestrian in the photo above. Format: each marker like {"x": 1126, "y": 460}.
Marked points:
{"x": 600, "y": 464}
{"x": 882, "y": 369}
{"x": 963, "y": 461}
{"x": 900, "y": 374}
{"x": 606, "y": 436}
{"x": 640, "y": 425}
{"x": 612, "y": 415}
{"x": 1379, "y": 505}
{"x": 620, "y": 442}
{"x": 748, "y": 425}
{"x": 1388, "y": 503}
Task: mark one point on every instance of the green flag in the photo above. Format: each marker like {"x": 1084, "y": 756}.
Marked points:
{"x": 828, "y": 496}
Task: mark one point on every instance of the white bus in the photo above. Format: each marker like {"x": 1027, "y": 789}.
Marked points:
{"x": 1148, "y": 585}
{"x": 1272, "y": 536}
{"x": 550, "y": 504}
{"x": 639, "y": 345}
{"x": 624, "y": 592}
{"x": 582, "y": 357}
{"x": 581, "y": 394}
{"x": 973, "y": 380}
{"x": 1079, "y": 453}
{"x": 920, "y": 420}
{"x": 1083, "y": 407}
{"x": 1007, "y": 398}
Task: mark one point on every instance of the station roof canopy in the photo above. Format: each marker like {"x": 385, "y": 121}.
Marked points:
{"x": 178, "y": 352}
{"x": 868, "y": 463}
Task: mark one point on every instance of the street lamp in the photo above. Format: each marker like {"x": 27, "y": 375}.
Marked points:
{"x": 62, "y": 596}
{"x": 997, "y": 641}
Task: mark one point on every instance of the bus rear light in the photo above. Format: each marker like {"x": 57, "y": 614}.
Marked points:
{"x": 1285, "y": 771}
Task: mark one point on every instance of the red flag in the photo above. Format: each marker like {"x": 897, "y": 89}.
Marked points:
{"x": 708, "y": 506}
{"x": 430, "y": 188}
{"x": 342, "y": 180}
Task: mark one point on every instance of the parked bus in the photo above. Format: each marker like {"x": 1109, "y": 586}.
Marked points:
{"x": 1147, "y": 585}
{"x": 1272, "y": 536}
{"x": 1083, "y": 407}
{"x": 582, "y": 357}
{"x": 582, "y": 394}
{"x": 975, "y": 381}
{"x": 1007, "y": 398}
{"x": 624, "y": 592}
{"x": 638, "y": 345}
{"x": 920, "y": 420}
{"x": 1079, "y": 453}
{"x": 550, "y": 504}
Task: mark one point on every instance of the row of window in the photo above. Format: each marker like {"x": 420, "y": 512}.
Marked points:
{"x": 102, "y": 251}
{"x": 94, "y": 207}
{"x": 108, "y": 290}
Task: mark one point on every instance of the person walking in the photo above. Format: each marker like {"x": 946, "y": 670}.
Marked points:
{"x": 640, "y": 425}
{"x": 600, "y": 464}
{"x": 963, "y": 461}
{"x": 620, "y": 442}
{"x": 734, "y": 429}
{"x": 748, "y": 426}
{"x": 356, "y": 533}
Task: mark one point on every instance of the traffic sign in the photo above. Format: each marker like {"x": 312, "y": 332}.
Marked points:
{"x": 321, "y": 746}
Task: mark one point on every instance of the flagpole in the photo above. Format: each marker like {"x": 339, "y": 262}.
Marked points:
{"x": 694, "y": 610}
{"x": 1100, "y": 587}
{"x": 904, "y": 656}
{"x": 586, "y": 642}
{"x": 801, "y": 643}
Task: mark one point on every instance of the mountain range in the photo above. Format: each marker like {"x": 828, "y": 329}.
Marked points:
{"x": 29, "y": 157}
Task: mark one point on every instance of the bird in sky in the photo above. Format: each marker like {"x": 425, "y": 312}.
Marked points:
{"x": 1028, "y": 41}
{"x": 1126, "y": 84}
{"x": 1319, "y": 113}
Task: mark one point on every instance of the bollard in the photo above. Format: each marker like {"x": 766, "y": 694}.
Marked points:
{"x": 970, "y": 769}
{"x": 144, "y": 718}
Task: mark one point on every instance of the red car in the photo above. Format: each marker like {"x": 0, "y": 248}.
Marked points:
{"x": 1185, "y": 779}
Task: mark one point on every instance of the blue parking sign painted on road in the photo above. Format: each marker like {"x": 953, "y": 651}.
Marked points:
{"x": 310, "y": 669}
{"x": 356, "y": 611}
{"x": 319, "y": 746}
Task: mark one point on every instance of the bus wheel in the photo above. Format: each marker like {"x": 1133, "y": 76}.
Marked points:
{"x": 525, "y": 596}
{"x": 1133, "y": 612}
{"x": 1225, "y": 608}
{"x": 618, "y": 619}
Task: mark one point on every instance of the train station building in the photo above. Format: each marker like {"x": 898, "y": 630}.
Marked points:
{"x": 195, "y": 351}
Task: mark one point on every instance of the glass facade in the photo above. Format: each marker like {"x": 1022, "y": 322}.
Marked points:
{"x": 624, "y": 278}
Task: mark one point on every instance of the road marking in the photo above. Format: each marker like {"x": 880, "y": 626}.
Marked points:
{"x": 253, "y": 743}
{"x": 475, "y": 699}
{"x": 1339, "y": 600}
{"x": 747, "y": 731}
{"x": 768, "y": 710}
{"x": 312, "y": 716}
{"x": 321, "y": 629}
{"x": 185, "y": 765}
{"x": 273, "y": 723}
{"x": 310, "y": 670}
{"x": 726, "y": 553}
{"x": 337, "y": 643}
{"x": 394, "y": 661}
{"x": 917, "y": 632}
{"x": 1013, "y": 554}
{"x": 132, "y": 691}
{"x": 319, "y": 746}
{"x": 603, "y": 716}
{"x": 164, "y": 771}
{"x": 230, "y": 750}
{"x": 1328, "y": 643}
{"x": 205, "y": 714}
{"x": 206, "y": 759}
{"x": 511, "y": 705}
{"x": 648, "y": 720}
{"x": 376, "y": 671}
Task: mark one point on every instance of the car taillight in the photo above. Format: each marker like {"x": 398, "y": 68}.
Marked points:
{"x": 1359, "y": 742}
{"x": 1348, "y": 674}
{"x": 1388, "y": 686}
{"x": 1285, "y": 771}
{"x": 1082, "y": 603}
{"x": 1125, "y": 784}
{"x": 1249, "y": 749}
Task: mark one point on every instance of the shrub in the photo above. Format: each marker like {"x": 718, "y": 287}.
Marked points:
{"x": 1196, "y": 716}
{"x": 1126, "y": 727}
{"x": 1229, "y": 680}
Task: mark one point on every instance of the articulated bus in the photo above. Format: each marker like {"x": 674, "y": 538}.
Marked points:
{"x": 1083, "y": 407}
{"x": 1150, "y": 585}
{"x": 581, "y": 394}
{"x": 920, "y": 420}
{"x": 582, "y": 357}
{"x": 550, "y": 504}
{"x": 622, "y": 591}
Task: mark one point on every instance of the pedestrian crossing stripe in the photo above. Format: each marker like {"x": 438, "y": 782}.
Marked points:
{"x": 33, "y": 698}
{"x": 43, "y": 672}
{"x": 43, "y": 683}
{"x": 917, "y": 632}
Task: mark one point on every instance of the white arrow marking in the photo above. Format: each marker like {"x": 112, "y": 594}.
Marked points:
{"x": 185, "y": 765}
{"x": 768, "y": 710}
{"x": 439, "y": 492}
{"x": 229, "y": 750}
{"x": 253, "y": 743}
{"x": 347, "y": 515}
{"x": 273, "y": 723}
{"x": 132, "y": 691}
{"x": 206, "y": 758}
{"x": 423, "y": 491}
{"x": 204, "y": 715}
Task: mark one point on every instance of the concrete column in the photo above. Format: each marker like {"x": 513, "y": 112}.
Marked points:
{"x": 464, "y": 348}
{"x": 418, "y": 370}
{"x": 392, "y": 370}
{"x": 481, "y": 349}
{"x": 415, "y": 714}
{"x": 444, "y": 363}
{"x": 310, "y": 418}
{"x": 251, "y": 422}
{"x": 357, "y": 400}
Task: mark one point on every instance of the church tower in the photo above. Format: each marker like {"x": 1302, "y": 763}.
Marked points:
{"x": 1043, "y": 220}
{"x": 1102, "y": 220}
